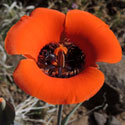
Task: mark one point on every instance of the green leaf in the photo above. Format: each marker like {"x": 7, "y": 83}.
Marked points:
{"x": 66, "y": 119}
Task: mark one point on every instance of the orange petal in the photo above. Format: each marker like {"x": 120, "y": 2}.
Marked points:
{"x": 1, "y": 100}
{"x": 88, "y": 31}
{"x": 57, "y": 90}
{"x": 32, "y": 32}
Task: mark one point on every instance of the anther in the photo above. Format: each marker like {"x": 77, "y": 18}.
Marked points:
{"x": 61, "y": 60}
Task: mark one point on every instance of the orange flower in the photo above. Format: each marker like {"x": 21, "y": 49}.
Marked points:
{"x": 31, "y": 33}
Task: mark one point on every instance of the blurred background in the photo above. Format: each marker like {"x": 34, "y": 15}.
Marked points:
{"x": 107, "y": 107}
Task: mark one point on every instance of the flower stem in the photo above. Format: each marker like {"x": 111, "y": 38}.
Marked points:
{"x": 66, "y": 119}
{"x": 60, "y": 108}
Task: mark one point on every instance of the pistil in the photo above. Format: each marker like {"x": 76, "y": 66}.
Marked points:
{"x": 60, "y": 62}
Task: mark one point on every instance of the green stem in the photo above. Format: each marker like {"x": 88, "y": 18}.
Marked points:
{"x": 66, "y": 119}
{"x": 59, "y": 114}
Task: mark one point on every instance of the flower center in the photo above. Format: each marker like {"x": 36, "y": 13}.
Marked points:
{"x": 61, "y": 60}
